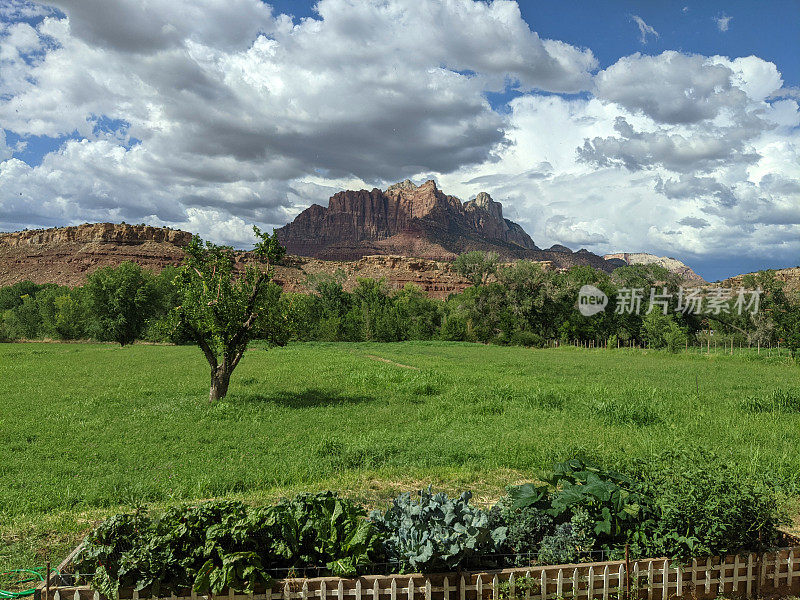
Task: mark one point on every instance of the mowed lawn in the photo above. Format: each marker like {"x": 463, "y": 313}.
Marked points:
{"x": 89, "y": 429}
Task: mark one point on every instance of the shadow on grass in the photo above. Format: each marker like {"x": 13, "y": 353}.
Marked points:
{"x": 308, "y": 398}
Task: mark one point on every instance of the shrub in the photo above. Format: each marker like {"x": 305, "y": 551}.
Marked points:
{"x": 437, "y": 533}
{"x": 777, "y": 401}
{"x": 675, "y": 338}
{"x": 528, "y": 339}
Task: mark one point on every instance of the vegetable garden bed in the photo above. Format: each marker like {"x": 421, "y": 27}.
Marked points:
{"x": 771, "y": 574}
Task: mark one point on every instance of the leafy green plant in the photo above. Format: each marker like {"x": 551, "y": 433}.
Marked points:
{"x": 323, "y": 529}
{"x": 222, "y": 545}
{"x": 570, "y": 542}
{"x": 526, "y": 528}
{"x": 704, "y": 506}
{"x": 524, "y": 587}
{"x": 434, "y": 532}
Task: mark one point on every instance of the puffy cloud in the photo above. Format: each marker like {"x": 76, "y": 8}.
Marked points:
{"x": 229, "y": 101}
{"x": 701, "y": 150}
{"x": 670, "y": 87}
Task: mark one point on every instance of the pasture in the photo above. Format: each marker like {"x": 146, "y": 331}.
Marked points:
{"x": 89, "y": 429}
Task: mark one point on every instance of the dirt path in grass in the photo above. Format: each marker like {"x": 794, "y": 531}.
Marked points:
{"x": 391, "y": 362}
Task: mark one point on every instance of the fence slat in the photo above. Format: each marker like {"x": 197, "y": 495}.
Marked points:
{"x": 790, "y": 571}
{"x": 679, "y": 581}
{"x": 445, "y": 588}
{"x": 410, "y": 588}
{"x": 636, "y": 576}
{"x": 650, "y": 580}
{"x": 462, "y": 589}
{"x": 590, "y": 584}
{"x": 543, "y": 584}
{"x": 605, "y": 583}
{"x": 528, "y": 586}
{"x": 776, "y": 568}
{"x": 495, "y": 588}
{"x": 304, "y": 591}
{"x": 323, "y": 590}
{"x": 560, "y": 584}
{"x": 736, "y": 567}
{"x": 576, "y": 586}
{"x": 358, "y": 589}
{"x": 665, "y": 580}
{"x": 750, "y": 575}
{"x": 620, "y": 580}
{"x": 479, "y": 588}
{"x": 511, "y": 586}
{"x": 708, "y": 575}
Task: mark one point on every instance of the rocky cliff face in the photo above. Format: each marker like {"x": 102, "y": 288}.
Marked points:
{"x": 66, "y": 255}
{"x": 790, "y": 277}
{"x": 405, "y": 219}
{"x": 672, "y": 265}
{"x": 96, "y": 232}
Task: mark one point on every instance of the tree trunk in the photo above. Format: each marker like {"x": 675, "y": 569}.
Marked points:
{"x": 220, "y": 379}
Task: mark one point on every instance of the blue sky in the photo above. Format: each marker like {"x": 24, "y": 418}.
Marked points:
{"x": 662, "y": 127}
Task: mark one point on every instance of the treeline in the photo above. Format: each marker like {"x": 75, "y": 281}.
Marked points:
{"x": 520, "y": 304}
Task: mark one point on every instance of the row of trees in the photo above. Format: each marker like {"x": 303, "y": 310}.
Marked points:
{"x": 209, "y": 303}
{"x": 516, "y": 304}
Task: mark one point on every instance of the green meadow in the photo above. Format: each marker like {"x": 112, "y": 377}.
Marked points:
{"x": 87, "y": 430}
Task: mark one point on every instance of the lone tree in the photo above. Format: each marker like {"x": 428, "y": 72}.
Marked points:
{"x": 220, "y": 307}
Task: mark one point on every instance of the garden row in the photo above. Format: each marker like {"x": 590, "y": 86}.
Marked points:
{"x": 672, "y": 507}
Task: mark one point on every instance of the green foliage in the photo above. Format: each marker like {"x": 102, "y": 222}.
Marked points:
{"x": 675, "y": 338}
{"x": 437, "y": 533}
{"x": 774, "y": 401}
{"x": 524, "y": 587}
{"x": 635, "y": 408}
{"x": 476, "y": 266}
{"x": 221, "y": 309}
{"x": 656, "y": 328}
{"x": 121, "y": 299}
{"x": 325, "y": 529}
{"x": 571, "y": 542}
{"x": 703, "y": 506}
{"x": 223, "y": 545}
{"x": 611, "y": 499}
{"x": 527, "y": 527}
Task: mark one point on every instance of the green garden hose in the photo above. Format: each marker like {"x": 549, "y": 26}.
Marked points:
{"x": 33, "y": 575}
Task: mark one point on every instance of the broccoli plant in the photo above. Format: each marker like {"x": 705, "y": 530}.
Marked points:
{"x": 436, "y": 533}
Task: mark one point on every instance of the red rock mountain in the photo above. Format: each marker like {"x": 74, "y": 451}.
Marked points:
{"x": 405, "y": 219}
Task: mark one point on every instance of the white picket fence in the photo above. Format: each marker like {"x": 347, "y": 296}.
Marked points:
{"x": 770, "y": 574}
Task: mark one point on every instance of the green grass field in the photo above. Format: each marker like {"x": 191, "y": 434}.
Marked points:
{"x": 89, "y": 429}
